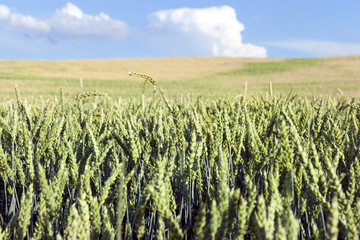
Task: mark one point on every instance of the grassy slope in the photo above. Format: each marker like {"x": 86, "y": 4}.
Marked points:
{"x": 182, "y": 76}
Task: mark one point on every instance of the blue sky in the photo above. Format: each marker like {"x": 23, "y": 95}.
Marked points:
{"x": 80, "y": 29}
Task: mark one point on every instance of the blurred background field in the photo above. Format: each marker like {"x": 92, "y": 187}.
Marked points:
{"x": 206, "y": 76}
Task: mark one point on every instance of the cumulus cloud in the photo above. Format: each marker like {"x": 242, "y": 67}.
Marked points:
{"x": 68, "y": 22}
{"x": 4, "y": 12}
{"x": 71, "y": 22}
{"x": 24, "y": 24}
{"x": 318, "y": 48}
{"x": 218, "y": 27}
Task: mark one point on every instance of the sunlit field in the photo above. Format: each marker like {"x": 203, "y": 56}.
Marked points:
{"x": 209, "y": 77}
{"x": 200, "y": 148}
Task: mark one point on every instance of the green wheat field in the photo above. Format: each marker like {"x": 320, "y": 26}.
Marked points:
{"x": 195, "y": 148}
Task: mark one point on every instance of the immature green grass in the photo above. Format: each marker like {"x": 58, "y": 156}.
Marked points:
{"x": 260, "y": 68}
{"x": 233, "y": 168}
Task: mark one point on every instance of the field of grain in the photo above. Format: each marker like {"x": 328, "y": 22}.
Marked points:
{"x": 233, "y": 168}
{"x": 203, "y": 148}
{"x": 208, "y": 77}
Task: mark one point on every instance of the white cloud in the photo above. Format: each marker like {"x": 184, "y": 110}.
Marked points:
{"x": 24, "y": 24}
{"x": 71, "y": 22}
{"x": 318, "y": 48}
{"x": 218, "y": 26}
{"x": 68, "y": 22}
{"x": 4, "y": 12}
